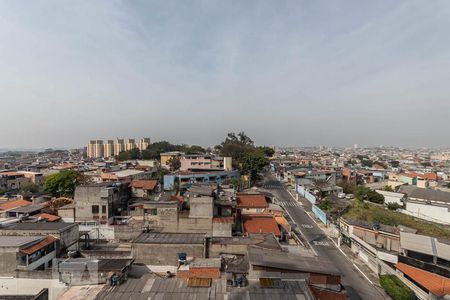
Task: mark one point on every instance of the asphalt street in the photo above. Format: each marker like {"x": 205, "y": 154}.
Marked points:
{"x": 357, "y": 286}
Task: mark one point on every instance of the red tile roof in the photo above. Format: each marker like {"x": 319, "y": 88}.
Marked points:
{"x": 428, "y": 176}
{"x": 251, "y": 201}
{"x": 14, "y": 204}
{"x": 436, "y": 284}
{"x": 261, "y": 224}
{"x": 321, "y": 294}
{"x": 47, "y": 241}
{"x": 49, "y": 217}
{"x": 12, "y": 173}
{"x": 144, "y": 184}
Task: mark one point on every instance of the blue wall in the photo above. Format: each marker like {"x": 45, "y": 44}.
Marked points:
{"x": 305, "y": 194}
{"x": 214, "y": 177}
{"x": 320, "y": 214}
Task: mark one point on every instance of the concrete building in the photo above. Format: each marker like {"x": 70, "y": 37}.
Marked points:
{"x": 164, "y": 248}
{"x": 143, "y": 188}
{"x": 143, "y": 143}
{"x": 119, "y": 146}
{"x": 100, "y": 202}
{"x": 204, "y": 162}
{"x": 66, "y": 233}
{"x": 157, "y": 215}
{"x": 26, "y": 253}
{"x": 109, "y": 149}
{"x": 130, "y": 144}
{"x": 187, "y": 177}
{"x": 100, "y": 149}
{"x": 13, "y": 180}
{"x": 165, "y": 157}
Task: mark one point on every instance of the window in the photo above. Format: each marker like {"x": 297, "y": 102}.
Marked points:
{"x": 152, "y": 212}
{"x": 95, "y": 209}
{"x": 103, "y": 209}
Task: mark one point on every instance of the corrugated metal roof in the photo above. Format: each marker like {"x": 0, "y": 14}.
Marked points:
{"x": 170, "y": 238}
{"x": 424, "y": 244}
{"x": 17, "y": 241}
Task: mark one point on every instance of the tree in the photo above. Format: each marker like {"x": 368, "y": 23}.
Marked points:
{"x": 195, "y": 149}
{"x": 29, "y": 188}
{"x": 174, "y": 163}
{"x": 124, "y": 155}
{"x": 246, "y": 156}
{"x": 268, "y": 151}
{"x": 364, "y": 193}
{"x": 393, "y": 206}
{"x": 252, "y": 163}
{"x": 388, "y": 188}
{"x": 62, "y": 183}
{"x": 347, "y": 186}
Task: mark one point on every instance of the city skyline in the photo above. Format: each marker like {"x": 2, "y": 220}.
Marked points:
{"x": 297, "y": 73}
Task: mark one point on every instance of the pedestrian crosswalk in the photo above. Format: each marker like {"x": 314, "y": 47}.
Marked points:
{"x": 272, "y": 186}
{"x": 288, "y": 203}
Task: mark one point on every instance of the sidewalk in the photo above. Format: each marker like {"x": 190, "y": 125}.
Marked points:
{"x": 353, "y": 258}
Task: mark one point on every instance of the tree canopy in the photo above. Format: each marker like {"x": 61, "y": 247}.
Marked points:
{"x": 154, "y": 150}
{"x": 364, "y": 193}
{"x": 63, "y": 183}
{"x": 249, "y": 158}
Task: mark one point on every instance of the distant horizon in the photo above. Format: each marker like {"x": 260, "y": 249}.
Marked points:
{"x": 39, "y": 149}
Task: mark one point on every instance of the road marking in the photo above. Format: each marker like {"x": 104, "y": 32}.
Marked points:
{"x": 288, "y": 203}
{"x": 321, "y": 243}
{"x": 307, "y": 226}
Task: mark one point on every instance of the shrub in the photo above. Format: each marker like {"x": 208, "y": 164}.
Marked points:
{"x": 393, "y": 206}
{"x": 395, "y": 288}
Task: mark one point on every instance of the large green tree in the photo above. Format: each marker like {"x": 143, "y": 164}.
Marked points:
{"x": 63, "y": 183}
{"x": 248, "y": 158}
{"x": 252, "y": 162}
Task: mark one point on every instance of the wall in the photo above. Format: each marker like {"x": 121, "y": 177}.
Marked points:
{"x": 195, "y": 225}
{"x": 305, "y": 194}
{"x": 8, "y": 261}
{"x": 164, "y": 254}
{"x": 217, "y": 249}
{"x": 222, "y": 229}
{"x": 391, "y": 197}
{"x": 320, "y": 214}
{"x": 201, "y": 207}
{"x": 432, "y": 213}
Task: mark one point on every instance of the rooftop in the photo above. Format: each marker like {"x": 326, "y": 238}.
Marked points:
{"x": 40, "y": 226}
{"x": 17, "y": 241}
{"x": 425, "y": 194}
{"x": 257, "y": 224}
{"x": 151, "y": 286}
{"x": 14, "y": 204}
{"x": 27, "y": 209}
{"x": 144, "y": 184}
{"x": 436, "y": 284}
{"x": 290, "y": 262}
{"x": 206, "y": 263}
{"x": 170, "y": 238}
{"x": 251, "y": 201}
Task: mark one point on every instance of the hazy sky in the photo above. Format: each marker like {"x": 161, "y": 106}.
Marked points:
{"x": 286, "y": 72}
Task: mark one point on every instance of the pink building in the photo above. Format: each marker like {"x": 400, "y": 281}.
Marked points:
{"x": 201, "y": 162}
